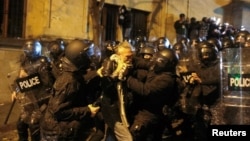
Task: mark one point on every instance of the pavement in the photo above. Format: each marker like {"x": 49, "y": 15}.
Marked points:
{"x": 8, "y": 127}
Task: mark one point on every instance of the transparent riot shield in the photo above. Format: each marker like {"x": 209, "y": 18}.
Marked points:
{"x": 28, "y": 81}
{"x": 235, "y": 86}
{"x": 186, "y": 63}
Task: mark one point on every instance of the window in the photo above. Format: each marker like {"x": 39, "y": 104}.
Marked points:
{"x": 12, "y": 15}
{"x": 139, "y": 23}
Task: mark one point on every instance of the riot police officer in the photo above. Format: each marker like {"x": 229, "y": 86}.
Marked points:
{"x": 33, "y": 101}
{"x": 110, "y": 47}
{"x": 181, "y": 50}
{"x": 185, "y": 41}
{"x": 227, "y": 42}
{"x": 184, "y": 58}
{"x": 247, "y": 43}
{"x": 192, "y": 48}
{"x": 68, "y": 116}
{"x": 229, "y": 50}
{"x": 140, "y": 41}
{"x": 216, "y": 42}
{"x": 240, "y": 38}
{"x": 150, "y": 96}
{"x": 56, "y": 52}
{"x": 147, "y": 52}
{"x": 203, "y": 89}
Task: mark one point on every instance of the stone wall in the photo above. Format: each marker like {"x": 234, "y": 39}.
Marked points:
{"x": 70, "y": 19}
{"x": 9, "y": 67}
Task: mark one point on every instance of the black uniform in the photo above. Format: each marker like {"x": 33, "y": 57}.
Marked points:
{"x": 56, "y": 52}
{"x": 68, "y": 116}
{"x": 150, "y": 96}
{"x": 199, "y": 97}
{"x": 68, "y": 105}
{"x": 33, "y": 102}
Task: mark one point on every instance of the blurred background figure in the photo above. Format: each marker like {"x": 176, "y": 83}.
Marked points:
{"x": 193, "y": 28}
{"x": 181, "y": 27}
{"x": 125, "y": 21}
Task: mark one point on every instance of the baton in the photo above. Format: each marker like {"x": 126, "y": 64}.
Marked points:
{"x": 10, "y": 110}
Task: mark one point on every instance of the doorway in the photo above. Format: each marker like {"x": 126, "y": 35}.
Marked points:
{"x": 109, "y": 21}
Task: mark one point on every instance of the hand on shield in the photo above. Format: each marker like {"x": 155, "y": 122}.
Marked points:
{"x": 93, "y": 109}
{"x": 195, "y": 79}
{"x": 13, "y": 96}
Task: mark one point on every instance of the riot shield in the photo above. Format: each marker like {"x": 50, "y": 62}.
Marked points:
{"x": 185, "y": 67}
{"x": 235, "y": 87}
{"x": 27, "y": 82}
{"x": 186, "y": 64}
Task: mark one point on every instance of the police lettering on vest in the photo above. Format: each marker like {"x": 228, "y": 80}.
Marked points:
{"x": 28, "y": 83}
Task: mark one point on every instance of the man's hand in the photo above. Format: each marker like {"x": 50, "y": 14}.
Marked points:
{"x": 99, "y": 72}
{"x": 93, "y": 109}
{"x": 23, "y": 73}
{"x": 195, "y": 79}
{"x": 182, "y": 69}
{"x": 124, "y": 71}
{"x": 120, "y": 66}
{"x": 13, "y": 95}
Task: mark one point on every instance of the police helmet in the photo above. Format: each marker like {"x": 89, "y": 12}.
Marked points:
{"x": 240, "y": 38}
{"x": 180, "y": 47}
{"x": 185, "y": 40}
{"x": 79, "y": 52}
{"x": 140, "y": 38}
{"x": 227, "y": 43}
{"x": 147, "y": 50}
{"x": 164, "y": 60}
{"x": 162, "y": 43}
{"x": 215, "y": 42}
{"x": 56, "y": 48}
{"x": 207, "y": 52}
{"x": 194, "y": 41}
{"x": 247, "y": 43}
{"x": 109, "y": 46}
{"x": 32, "y": 48}
{"x": 248, "y": 37}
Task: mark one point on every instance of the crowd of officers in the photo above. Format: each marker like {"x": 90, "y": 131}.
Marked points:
{"x": 134, "y": 91}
